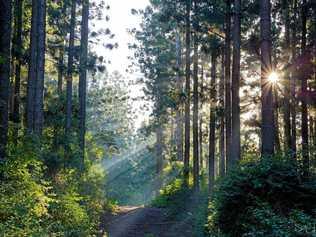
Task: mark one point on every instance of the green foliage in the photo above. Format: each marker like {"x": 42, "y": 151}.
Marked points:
{"x": 109, "y": 113}
{"x": 24, "y": 195}
{"x": 33, "y": 203}
{"x": 172, "y": 195}
{"x": 264, "y": 198}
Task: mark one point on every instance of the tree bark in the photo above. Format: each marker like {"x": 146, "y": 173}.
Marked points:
{"x": 195, "y": 113}
{"x": 35, "y": 87}
{"x": 304, "y": 92}
{"x": 60, "y": 70}
{"x": 212, "y": 124}
{"x": 18, "y": 57}
{"x": 267, "y": 126}
{"x": 159, "y": 156}
{"x": 187, "y": 90}
{"x": 83, "y": 77}
{"x": 70, "y": 67}
{"x": 276, "y": 121}
{"x": 228, "y": 101}
{"x": 293, "y": 84}
{"x": 201, "y": 120}
{"x": 39, "y": 91}
{"x": 5, "y": 46}
{"x": 222, "y": 162}
{"x": 287, "y": 108}
{"x": 32, "y": 74}
{"x": 179, "y": 110}
{"x": 235, "y": 148}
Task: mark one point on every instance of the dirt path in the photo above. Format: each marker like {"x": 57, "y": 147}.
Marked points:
{"x": 144, "y": 222}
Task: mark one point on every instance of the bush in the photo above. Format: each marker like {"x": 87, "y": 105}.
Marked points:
{"x": 24, "y": 195}
{"x": 264, "y": 198}
{"x": 34, "y": 204}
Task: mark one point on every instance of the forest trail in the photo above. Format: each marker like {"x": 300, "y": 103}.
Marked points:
{"x": 142, "y": 221}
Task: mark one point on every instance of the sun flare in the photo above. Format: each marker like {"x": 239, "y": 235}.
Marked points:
{"x": 273, "y": 77}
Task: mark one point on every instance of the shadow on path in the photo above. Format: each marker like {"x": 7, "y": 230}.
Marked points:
{"x": 144, "y": 222}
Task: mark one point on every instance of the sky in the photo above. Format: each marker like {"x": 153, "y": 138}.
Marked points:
{"x": 121, "y": 19}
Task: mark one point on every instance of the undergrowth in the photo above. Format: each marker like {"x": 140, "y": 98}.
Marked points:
{"x": 185, "y": 205}
{"x": 264, "y": 198}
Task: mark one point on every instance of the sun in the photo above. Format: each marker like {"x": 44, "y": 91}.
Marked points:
{"x": 273, "y": 77}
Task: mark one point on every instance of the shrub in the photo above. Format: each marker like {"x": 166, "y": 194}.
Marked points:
{"x": 24, "y": 195}
{"x": 264, "y": 198}
{"x": 34, "y": 203}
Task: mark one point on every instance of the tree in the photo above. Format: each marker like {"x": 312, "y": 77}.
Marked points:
{"x": 187, "y": 89}
{"x": 293, "y": 81}
{"x": 195, "y": 102}
{"x": 18, "y": 46}
{"x": 212, "y": 123}
{"x": 267, "y": 124}
{"x": 41, "y": 47}
{"x": 201, "y": 156}
{"x": 179, "y": 109}
{"x": 5, "y": 46}
{"x": 304, "y": 92}
{"x": 83, "y": 76}
{"x": 35, "y": 85}
{"x": 221, "y": 146}
{"x": 228, "y": 102}
{"x": 235, "y": 148}
{"x": 287, "y": 108}
{"x": 71, "y": 52}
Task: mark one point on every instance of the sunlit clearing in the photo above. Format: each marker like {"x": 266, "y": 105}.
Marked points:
{"x": 273, "y": 77}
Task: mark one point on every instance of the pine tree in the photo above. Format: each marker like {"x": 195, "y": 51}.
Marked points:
{"x": 212, "y": 123}
{"x": 70, "y": 68}
{"x": 228, "y": 122}
{"x": 5, "y": 46}
{"x": 18, "y": 45}
{"x": 304, "y": 92}
{"x": 267, "y": 126}
{"x": 187, "y": 88}
{"x": 235, "y": 149}
{"x": 83, "y": 76}
{"x": 35, "y": 85}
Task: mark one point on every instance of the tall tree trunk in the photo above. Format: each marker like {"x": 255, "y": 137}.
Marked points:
{"x": 276, "y": 121}
{"x": 83, "y": 76}
{"x": 304, "y": 92}
{"x": 267, "y": 126}
{"x": 195, "y": 113}
{"x": 313, "y": 133}
{"x": 228, "y": 101}
{"x": 222, "y": 162}
{"x": 201, "y": 119}
{"x": 293, "y": 83}
{"x": 5, "y": 46}
{"x": 212, "y": 124}
{"x": 32, "y": 74}
{"x": 39, "y": 91}
{"x": 159, "y": 155}
{"x": 179, "y": 110}
{"x": 235, "y": 148}
{"x": 35, "y": 86}
{"x": 18, "y": 57}
{"x": 287, "y": 108}
{"x": 311, "y": 138}
{"x": 70, "y": 67}
{"x": 60, "y": 70}
{"x": 187, "y": 90}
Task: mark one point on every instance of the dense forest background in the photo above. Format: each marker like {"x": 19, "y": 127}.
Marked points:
{"x": 229, "y": 146}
